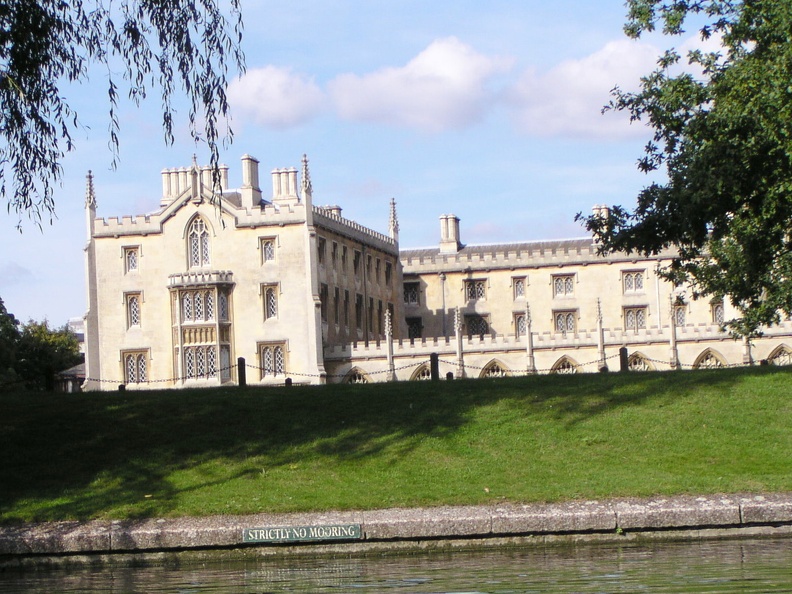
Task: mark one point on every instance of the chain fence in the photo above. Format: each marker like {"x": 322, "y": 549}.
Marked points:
{"x": 498, "y": 370}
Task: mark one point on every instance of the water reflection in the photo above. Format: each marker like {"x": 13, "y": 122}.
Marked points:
{"x": 718, "y": 566}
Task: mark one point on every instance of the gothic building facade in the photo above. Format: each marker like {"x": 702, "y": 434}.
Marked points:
{"x": 177, "y": 297}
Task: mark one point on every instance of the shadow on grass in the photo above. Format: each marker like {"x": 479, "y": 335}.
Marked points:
{"x": 78, "y": 456}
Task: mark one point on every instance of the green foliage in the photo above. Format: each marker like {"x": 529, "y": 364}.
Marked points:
{"x": 43, "y": 351}
{"x": 31, "y": 354}
{"x": 174, "y": 45}
{"x": 311, "y": 448}
{"x": 9, "y": 339}
{"x": 723, "y": 134}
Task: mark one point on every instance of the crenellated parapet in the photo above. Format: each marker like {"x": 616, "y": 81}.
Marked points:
{"x": 536, "y": 254}
{"x": 327, "y": 217}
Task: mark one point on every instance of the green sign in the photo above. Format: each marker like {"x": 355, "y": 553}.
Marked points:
{"x": 302, "y": 533}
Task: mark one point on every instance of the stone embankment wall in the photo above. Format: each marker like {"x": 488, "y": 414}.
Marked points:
{"x": 401, "y": 529}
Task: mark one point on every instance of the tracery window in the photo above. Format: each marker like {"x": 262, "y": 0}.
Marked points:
{"x": 494, "y": 370}
{"x": 520, "y": 324}
{"x": 198, "y": 244}
{"x": 135, "y": 368}
{"x": 412, "y": 291}
{"x": 638, "y": 362}
{"x": 423, "y": 373}
{"x": 270, "y": 302}
{"x": 781, "y": 356}
{"x": 222, "y": 303}
{"x": 634, "y": 318}
{"x": 563, "y": 285}
{"x": 357, "y": 377}
{"x": 131, "y": 257}
{"x": 680, "y": 312}
{"x": 133, "y": 309}
{"x": 414, "y": 328}
{"x": 475, "y": 290}
{"x": 565, "y": 321}
{"x": 267, "y": 250}
{"x": 709, "y": 360}
{"x": 272, "y": 359}
{"x": 519, "y": 287}
{"x": 225, "y": 362}
{"x": 198, "y": 306}
{"x": 565, "y": 366}
{"x": 633, "y": 282}
{"x": 717, "y": 313}
{"x": 476, "y": 325}
{"x": 200, "y": 362}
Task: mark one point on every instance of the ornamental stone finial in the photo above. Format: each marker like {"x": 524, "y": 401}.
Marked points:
{"x": 393, "y": 221}
{"x": 90, "y": 195}
{"x": 307, "y": 187}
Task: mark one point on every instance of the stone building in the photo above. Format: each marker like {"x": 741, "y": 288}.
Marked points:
{"x": 298, "y": 291}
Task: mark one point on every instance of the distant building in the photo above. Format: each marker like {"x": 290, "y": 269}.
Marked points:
{"x": 177, "y": 296}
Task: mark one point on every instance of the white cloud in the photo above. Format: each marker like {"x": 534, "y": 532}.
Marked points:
{"x": 442, "y": 88}
{"x": 275, "y": 97}
{"x": 567, "y": 99}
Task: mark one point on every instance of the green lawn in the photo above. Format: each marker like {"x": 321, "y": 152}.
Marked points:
{"x": 541, "y": 438}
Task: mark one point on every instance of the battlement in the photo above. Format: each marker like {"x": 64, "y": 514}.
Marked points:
{"x": 325, "y": 217}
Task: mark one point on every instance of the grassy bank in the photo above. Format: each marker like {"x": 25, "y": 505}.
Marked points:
{"x": 543, "y": 438}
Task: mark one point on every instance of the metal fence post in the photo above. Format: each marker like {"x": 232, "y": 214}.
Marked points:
{"x": 241, "y": 372}
{"x": 624, "y": 361}
{"x": 434, "y": 366}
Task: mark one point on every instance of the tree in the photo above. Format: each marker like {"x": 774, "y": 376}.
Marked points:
{"x": 723, "y": 134}
{"x": 9, "y": 341}
{"x": 43, "y": 351}
{"x": 44, "y": 44}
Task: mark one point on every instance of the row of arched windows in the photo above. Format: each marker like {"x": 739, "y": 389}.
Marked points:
{"x": 709, "y": 358}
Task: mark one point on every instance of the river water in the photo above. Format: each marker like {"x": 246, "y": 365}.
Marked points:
{"x": 763, "y": 565}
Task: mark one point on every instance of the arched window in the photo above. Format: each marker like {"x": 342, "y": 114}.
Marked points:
{"x": 422, "y": 373}
{"x": 494, "y": 369}
{"x": 637, "y": 362}
{"x": 709, "y": 359}
{"x": 782, "y": 355}
{"x": 356, "y": 376}
{"x": 564, "y": 365}
{"x": 198, "y": 244}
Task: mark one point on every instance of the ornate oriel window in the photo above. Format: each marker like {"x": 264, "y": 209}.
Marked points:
{"x": 135, "y": 367}
{"x": 633, "y": 281}
{"x": 198, "y": 244}
{"x": 563, "y": 285}
{"x": 200, "y": 362}
{"x": 199, "y": 306}
{"x": 634, "y": 318}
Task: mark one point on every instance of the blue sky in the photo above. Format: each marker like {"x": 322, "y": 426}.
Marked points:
{"x": 487, "y": 110}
